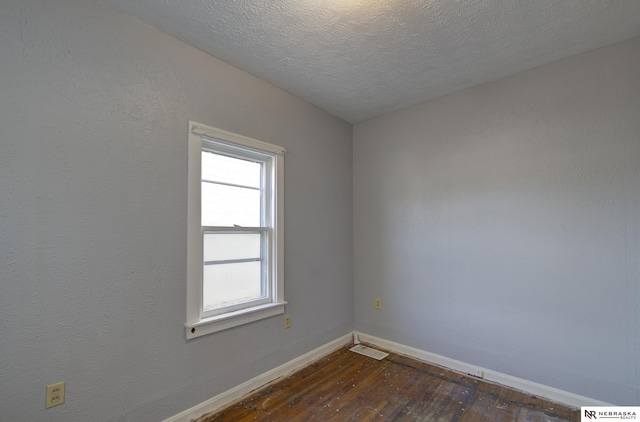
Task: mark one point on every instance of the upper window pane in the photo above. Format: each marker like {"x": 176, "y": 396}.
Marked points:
{"x": 235, "y": 171}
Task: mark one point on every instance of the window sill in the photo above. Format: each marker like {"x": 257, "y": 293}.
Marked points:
{"x": 233, "y": 319}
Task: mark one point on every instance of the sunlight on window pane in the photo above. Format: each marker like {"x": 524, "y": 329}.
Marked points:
{"x": 235, "y": 171}
{"x": 226, "y": 246}
{"x": 228, "y": 206}
{"x": 228, "y": 284}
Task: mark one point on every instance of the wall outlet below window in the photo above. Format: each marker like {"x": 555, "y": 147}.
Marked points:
{"x": 378, "y": 304}
{"x": 287, "y": 321}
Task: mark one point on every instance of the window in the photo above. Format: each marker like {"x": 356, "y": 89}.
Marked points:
{"x": 235, "y": 230}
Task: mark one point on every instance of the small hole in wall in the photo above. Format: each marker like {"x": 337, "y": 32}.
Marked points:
{"x": 193, "y": 330}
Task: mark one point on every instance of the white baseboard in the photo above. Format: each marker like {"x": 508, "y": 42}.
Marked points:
{"x": 257, "y": 382}
{"x": 540, "y": 390}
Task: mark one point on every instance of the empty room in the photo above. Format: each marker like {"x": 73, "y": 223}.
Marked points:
{"x": 453, "y": 183}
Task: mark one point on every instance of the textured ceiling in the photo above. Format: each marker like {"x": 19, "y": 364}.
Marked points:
{"x": 359, "y": 59}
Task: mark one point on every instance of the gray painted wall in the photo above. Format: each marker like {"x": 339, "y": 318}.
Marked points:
{"x": 93, "y": 152}
{"x": 501, "y": 225}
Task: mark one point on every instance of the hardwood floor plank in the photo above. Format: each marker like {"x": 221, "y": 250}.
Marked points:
{"x": 345, "y": 386}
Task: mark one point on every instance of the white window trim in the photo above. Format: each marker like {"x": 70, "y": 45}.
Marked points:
{"x": 196, "y": 325}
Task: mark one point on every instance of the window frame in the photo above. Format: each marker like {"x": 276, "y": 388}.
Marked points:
{"x": 200, "y": 323}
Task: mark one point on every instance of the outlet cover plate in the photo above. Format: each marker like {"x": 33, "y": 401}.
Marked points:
{"x": 55, "y": 395}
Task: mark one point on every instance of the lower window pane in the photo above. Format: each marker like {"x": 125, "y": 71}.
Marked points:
{"x": 223, "y": 246}
{"x": 228, "y": 284}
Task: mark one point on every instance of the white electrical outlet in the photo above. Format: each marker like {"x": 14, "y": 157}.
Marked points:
{"x": 287, "y": 321}
{"x": 55, "y": 395}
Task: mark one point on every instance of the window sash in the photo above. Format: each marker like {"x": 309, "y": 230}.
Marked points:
{"x": 262, "y": 193}
{"x": 266, "y": 290}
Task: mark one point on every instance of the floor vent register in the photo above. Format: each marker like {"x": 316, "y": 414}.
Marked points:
{"x": 368, "y": 351}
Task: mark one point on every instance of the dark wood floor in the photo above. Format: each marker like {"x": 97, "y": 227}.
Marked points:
{"x": 346, "y": 386}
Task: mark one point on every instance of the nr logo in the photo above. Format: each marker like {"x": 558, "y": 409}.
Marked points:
{"x": 591, "y": 414}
